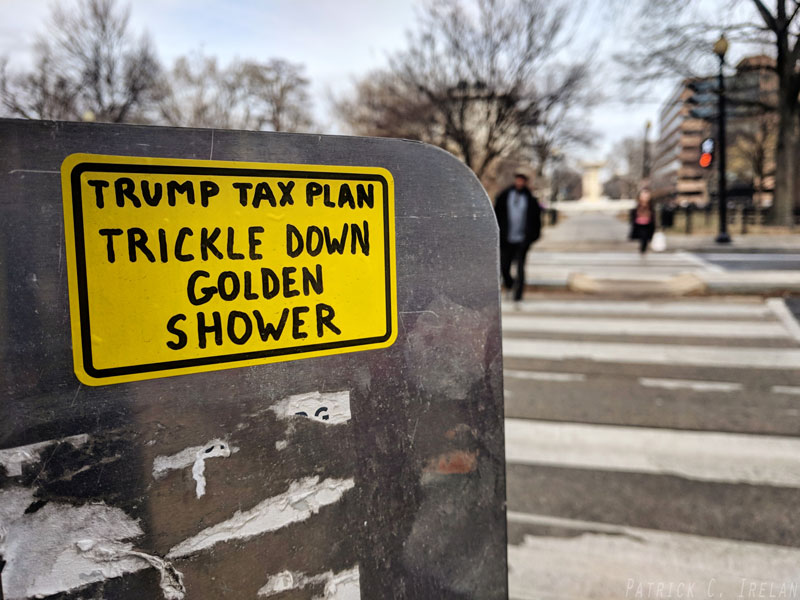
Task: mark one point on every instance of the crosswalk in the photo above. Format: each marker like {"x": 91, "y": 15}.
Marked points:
{"x": 545, "y": 268}
{"x": 653, "y": 448}
{"x": 675, "y": 273}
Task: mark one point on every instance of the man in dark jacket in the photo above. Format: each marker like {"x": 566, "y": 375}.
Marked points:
{"x": 519, "y": 217}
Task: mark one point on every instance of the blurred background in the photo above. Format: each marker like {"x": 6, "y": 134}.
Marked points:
{"x": 652, "y": 400}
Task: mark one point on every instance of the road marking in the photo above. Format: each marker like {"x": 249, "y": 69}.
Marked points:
{"x": 657, "y": 354}
{"x": 785, "y": 389}
{"x": 645, "y": 327}
{"x": 707, "y": 456}
{"x": 664, "y": 309}
{"x": 706, "y": 265}
{"x": 544, "y": 375}
{"x": 609, "y": 561}
{"x": 612, "y": 272}
{"x": 608, "y": 258}
{"x": 753, "y": 257}
{"x": 689, "y": 384}
{"x": 780, "y": 310}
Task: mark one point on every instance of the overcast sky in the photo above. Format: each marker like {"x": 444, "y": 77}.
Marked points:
{"x": 336, "y": 40}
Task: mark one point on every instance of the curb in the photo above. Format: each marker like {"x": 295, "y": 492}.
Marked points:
{"x": 679, "y": 285}
{"x": 683, "y": 284}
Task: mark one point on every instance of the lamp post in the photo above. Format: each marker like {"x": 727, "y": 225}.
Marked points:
{"x": 646, "y": 154}
{"x": 720, "y": 48}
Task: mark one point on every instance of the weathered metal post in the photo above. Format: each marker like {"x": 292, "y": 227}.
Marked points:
{"x": 246, "y": 365}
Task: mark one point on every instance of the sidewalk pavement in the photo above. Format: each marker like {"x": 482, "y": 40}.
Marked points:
{"x": 666, "y": 274}
{"x": 611, "y": 235}
{"x": 591, "y": 253}
{"x": 739, "y": 243}
{"x": 606, "y": 231}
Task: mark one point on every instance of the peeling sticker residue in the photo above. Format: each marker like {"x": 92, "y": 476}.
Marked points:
{"x": 342, "y": 586}
{"x": 285, "y": 581}
{"x": 196, "y": 457}
{"x": 329, "y": 408}
{"x": 170, "y": 579}
{"x": 338, "y": 586}
{"x": 303, "y": 499}
{"x": 62, "y": 547}
{"x": 13, "y": 459}
{"x": 213, "y": 449}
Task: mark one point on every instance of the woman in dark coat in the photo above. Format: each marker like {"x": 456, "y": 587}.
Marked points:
{"x": 643, "y": 220}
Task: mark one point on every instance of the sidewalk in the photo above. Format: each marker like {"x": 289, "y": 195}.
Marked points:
{"x": 739, "y": 243}
{"x": 591, "y": 254}
{"x": 605, "y": 233}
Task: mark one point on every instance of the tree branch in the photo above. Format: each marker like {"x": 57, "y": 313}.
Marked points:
{"x": 769, "y": 19}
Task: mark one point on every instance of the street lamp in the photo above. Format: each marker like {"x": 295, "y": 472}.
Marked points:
{"x": 720, "y": 48}
{"x": 646, "y": 154}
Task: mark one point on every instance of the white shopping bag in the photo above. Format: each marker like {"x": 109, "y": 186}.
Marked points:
{"x": 659, "y": 243}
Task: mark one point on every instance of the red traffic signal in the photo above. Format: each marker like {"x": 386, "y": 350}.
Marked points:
{"x": 706, "y": 152}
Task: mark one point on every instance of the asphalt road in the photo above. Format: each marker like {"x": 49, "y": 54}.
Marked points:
{"x": 750, "y": 261}
{"x": 652, "y": 443}
{"x": 793, "y": 303}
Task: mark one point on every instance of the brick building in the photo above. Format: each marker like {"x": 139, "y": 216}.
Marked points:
{"x": 676, "y": 174}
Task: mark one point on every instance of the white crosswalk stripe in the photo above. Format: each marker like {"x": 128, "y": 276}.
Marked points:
{"x": 628, "y": 562}
{"x": 544, "y": 376}
{"x": 645, "y": 327}
{"x": 782, "y": 312}
{"x": 732, "y": 458}
{"x": 786, "y": 389}
{"x": 663, "y": 354}
{"x": 650, "y": 309}
{"x": 686, "y": 384}
{"x": 564, "y": 556}
{"x": 551, "y": 266}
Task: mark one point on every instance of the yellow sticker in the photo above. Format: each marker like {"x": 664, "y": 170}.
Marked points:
{"x": 184, "y": 266}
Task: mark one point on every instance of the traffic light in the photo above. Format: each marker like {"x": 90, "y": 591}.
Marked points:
{"x": 704, "y": 98}
{"x": 707, "y": 152}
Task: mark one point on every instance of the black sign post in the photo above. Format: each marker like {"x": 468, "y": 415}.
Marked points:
{"x": 355, "y": 453}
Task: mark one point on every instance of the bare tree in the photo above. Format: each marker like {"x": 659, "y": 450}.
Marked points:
{"x": 470, "y": 80}
{"x": 383, "y": 105}
{"x": 198, "y": 93}
{"x": 87, "y": 65}
{"x": 752, "y": 152}
{"x": 280, "y": 92}
{"x": 674, "y": 37}
{"x": 568, "y": 182}
{"x": 42, "y": 93}
{"x": 563, "y": 96}
{"x": 243, "y": 95}
{"x": 785, "y": 29}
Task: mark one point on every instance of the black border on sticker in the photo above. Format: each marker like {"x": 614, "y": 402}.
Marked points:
{"x": 80, "y": 263}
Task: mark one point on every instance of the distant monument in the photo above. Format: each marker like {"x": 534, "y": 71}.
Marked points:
{"x": 592, "y": 188}
{"x": 592, "y": 200}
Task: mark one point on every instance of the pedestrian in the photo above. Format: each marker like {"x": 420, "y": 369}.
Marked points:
{"x": 643, "y": 220}
{"x": 519, "y": 218}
